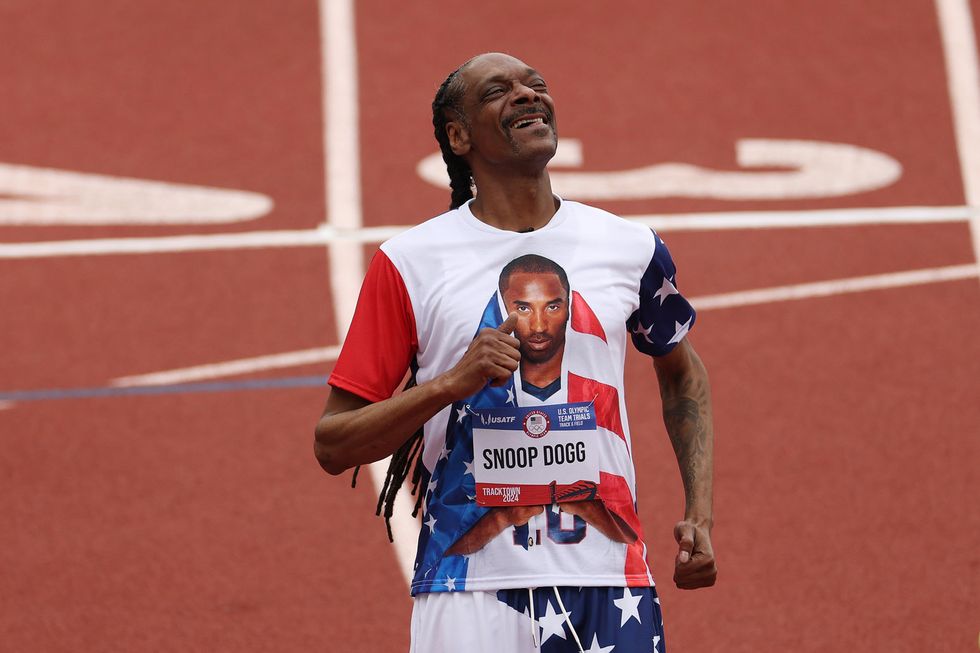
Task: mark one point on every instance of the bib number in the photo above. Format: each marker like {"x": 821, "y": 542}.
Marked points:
{"x": 535, "y": 456}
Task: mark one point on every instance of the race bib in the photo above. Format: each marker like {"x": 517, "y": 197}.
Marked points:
{"x": 535, "y": 456}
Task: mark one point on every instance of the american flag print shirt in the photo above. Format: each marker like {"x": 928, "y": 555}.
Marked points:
{"x": 429, "y": 291}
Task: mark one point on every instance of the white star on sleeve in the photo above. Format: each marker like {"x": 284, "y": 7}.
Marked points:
{"x": 628, "y": 607}
{"x": 680, "y": 330}
{"x": 461, "y": 416}
{"x": 431, "y": 522}
{"x": 666, "y": 290}
{"x": 656, "y": 643}
{"x": 640, "y": 329}
{"x": 595, "y": 648}
{"x": 510, "y": 396}
{"x": 552, "y": 623}
{"x": 450, "y": 583}
{"x": 468, "y": 464}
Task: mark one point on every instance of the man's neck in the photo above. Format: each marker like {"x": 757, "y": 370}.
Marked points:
{"x": 514, "y": 202}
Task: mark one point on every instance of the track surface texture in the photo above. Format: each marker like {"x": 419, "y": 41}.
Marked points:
{"x": 189, "y": 190}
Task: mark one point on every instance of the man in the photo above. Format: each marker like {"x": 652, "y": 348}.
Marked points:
{"x": 542, "y": 574}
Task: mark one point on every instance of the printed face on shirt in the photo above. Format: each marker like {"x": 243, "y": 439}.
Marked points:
{"x": 541, "y": 304}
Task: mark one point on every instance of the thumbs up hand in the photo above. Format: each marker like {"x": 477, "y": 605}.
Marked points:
{"x": 492, "y": 358}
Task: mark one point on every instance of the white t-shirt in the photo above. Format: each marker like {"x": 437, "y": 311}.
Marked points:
{"x": 429, "y": 291}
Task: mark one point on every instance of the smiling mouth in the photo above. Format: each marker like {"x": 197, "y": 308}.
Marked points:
{"x": 528, "y": 120}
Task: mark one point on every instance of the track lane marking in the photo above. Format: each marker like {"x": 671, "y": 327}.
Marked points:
{"x": 230, "y": 368}
{"x": 735, "y": 299}
{"x": 31, "y": 195}
{"x": 351, "y": 238}
{"x": 963, "y": 75}
{"x": 807, "y": 169}
{"x": 342, "y": 152}
{"x": 834, "y": 287}
{"x": 343, "y": 188}
{"x": 47, "y": 394}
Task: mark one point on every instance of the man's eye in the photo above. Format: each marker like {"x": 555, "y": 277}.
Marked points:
{"x": 493, "y": 92}
{"x": 522, "y": 309}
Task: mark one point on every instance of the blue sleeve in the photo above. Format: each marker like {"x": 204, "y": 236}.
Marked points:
{"x": 664, "y": 316}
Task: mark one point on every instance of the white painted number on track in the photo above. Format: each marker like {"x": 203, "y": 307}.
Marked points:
{"x": 810, "y": 169}
{"x": 46, "y": 196}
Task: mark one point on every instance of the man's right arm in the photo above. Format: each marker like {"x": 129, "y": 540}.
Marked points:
{"x": 353, "y": 431}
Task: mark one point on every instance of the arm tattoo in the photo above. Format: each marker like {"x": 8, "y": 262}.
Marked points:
{"x": 687, "y": 417}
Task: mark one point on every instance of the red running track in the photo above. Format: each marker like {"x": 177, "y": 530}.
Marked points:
{"x": 198, "y": 521}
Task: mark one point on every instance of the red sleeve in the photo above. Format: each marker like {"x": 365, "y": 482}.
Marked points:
{"x": 382, "y": 339}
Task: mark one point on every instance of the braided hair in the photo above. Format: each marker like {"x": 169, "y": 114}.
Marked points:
{"x": 448, "y": 102}
{"x": 449, "y": 99}
{"x": 401, "y": 462}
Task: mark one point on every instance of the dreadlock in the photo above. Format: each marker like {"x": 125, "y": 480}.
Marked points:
{"x": 449, "y": 99}
{"x": 401, "y": 462}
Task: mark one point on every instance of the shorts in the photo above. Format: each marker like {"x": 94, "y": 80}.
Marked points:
{"x": 568, "y": 619}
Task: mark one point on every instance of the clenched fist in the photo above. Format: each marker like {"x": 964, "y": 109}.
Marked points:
{"x": 694, "y": 566}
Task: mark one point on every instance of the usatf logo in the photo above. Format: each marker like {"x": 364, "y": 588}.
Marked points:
{"x": 536, "y": 424}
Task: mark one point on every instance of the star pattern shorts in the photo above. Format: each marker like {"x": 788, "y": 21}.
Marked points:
{"x": 604, "y": 620}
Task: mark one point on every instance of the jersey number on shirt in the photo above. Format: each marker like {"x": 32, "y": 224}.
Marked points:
{"x": 557, "y": 534}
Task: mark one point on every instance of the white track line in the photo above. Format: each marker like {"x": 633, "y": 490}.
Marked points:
{"x": 342, "y": 152}
{"x": 702, "y": 303}
{"x": 343, "y": 187}
{"x": 960, "y": 49}
{"x": 345, "y": 240}
{"x": 163, "y": 244}
{"x": 231, "y": 368}
{"x": 794, "y": 219}
{"x": 834, "y": 287}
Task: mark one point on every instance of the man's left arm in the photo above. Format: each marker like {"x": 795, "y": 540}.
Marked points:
{"x": 686, "y": 396}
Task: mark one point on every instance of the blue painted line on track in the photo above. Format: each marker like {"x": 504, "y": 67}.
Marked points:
{"x": 178, "y": 388}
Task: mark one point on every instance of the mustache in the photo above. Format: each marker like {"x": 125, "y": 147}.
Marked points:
{"x": 510, "y": 118}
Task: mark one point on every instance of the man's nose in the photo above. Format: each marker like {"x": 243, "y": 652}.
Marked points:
{"x": 524, "y": 94}
{"x": 537, "y": 322}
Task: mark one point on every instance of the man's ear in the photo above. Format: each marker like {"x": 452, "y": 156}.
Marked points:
{"x": 459, "y": 137}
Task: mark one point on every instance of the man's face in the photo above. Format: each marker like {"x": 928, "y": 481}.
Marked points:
{"x": 541, "y": 304}
{"x": 509, "y": 112}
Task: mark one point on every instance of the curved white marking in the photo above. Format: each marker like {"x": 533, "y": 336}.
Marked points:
{"x": 47, "y": 196}
{"x": 811, "y": 169}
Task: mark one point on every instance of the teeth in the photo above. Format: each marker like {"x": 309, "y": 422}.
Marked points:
{"x": 525, "y": 123}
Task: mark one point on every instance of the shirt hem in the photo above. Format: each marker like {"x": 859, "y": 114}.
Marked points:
{"x": 361, "y": 391}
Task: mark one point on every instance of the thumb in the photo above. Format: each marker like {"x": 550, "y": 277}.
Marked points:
{"x": 509, "y": 324}
{"x": 684, "y": 534}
